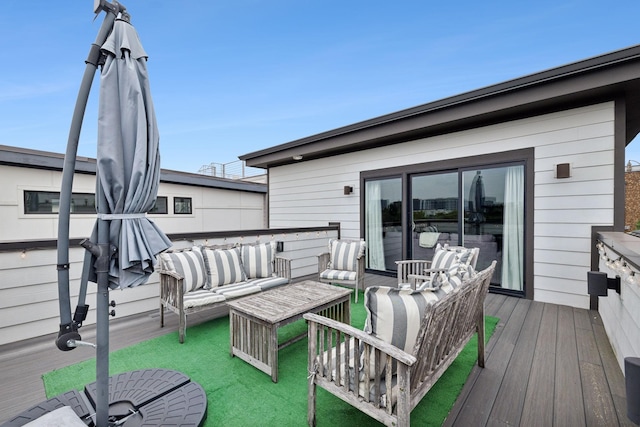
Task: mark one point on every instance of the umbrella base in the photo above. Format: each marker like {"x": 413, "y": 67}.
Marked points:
{"x": 148, "y": 396}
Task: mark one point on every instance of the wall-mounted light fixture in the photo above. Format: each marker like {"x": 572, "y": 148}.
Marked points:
{"x": 348, "y": 190}
{"x": 599, "y": 284}
{"x": 279, "y": 246}
{"x": 563, "y": 170}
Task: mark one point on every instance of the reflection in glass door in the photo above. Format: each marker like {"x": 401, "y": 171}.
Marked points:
{"x": 493, "y": 200}
{"x": 383, "y": 223}
{"x": 434, "y": 212}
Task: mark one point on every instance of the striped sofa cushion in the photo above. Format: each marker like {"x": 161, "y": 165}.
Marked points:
{"x": 201, "y": 298}
{"x": 188, "y": 264}
{"x": 344, "y": 255}
{"x": 269, "y": 282}
{"x": 237, "y": 290}
{"x": 224, "y": 266}
{"x": 258, "y": 259}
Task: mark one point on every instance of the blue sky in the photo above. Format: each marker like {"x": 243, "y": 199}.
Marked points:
{"x": 232, "y": 77}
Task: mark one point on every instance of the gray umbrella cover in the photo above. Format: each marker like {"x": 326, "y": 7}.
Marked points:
{"x": 128, "y": 159}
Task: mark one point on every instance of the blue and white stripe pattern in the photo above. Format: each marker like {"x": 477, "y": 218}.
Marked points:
{"x": 258, "y": 260}
{"x": 189, "y": 265}
{"x": 224, "y": 266}
{"x": 344, "y": 255}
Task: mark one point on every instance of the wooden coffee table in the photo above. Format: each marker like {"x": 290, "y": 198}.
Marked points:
{"x": 254, "y": 320}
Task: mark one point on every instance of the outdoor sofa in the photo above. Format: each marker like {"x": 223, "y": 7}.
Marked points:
{"x": 204, "y": 277}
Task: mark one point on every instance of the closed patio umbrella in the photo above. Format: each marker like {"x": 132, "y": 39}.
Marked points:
{"x": 124, "y": 243}
{"x": 128, "y": 160}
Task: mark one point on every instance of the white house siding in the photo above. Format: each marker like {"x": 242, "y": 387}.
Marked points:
{"x": 213, "y": 208}
{"x": 310, "y": 193}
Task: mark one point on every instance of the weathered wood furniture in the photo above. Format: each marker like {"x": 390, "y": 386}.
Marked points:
{"x": 352, "y": 364}
{"x": 254, "y": 320}
{"x": 183, "y": 299}
{"x": 412, "y": 267}
{"x": 344, "y": 264}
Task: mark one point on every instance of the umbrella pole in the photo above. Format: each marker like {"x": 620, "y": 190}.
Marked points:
{"x": 68, "y": 328}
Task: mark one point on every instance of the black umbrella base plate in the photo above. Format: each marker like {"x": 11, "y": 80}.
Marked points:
{"x": 147, "y": 397}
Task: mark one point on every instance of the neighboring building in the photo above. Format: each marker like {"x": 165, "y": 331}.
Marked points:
{"x": 536, "y": 165}
{"x": 187, "y": 202}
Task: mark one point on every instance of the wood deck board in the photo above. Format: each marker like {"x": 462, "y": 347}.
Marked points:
{"x": 511, "y": 396}
{"x": 564, "y": 363}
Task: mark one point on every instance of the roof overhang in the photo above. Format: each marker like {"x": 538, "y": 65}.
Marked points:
{"x": 27, "y": 158}
{"x": 612, "y": 76}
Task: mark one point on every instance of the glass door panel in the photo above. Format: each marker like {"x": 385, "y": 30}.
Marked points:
{"x": 493, "y": 200}
{"x": 383, "y": 223}
{"x": 434, "y": 213}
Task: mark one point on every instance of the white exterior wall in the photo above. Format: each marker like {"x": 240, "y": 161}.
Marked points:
{"x": 213, "y": 208}
{"x": 310, "y": 193}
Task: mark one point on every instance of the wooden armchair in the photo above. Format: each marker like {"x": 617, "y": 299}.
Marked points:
{"x": 408, "y": 270}
{"x": 344, "y": 263}
{"x": 353, "y": 364}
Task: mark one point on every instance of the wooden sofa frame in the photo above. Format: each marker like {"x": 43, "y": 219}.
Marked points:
{"x": 171, "y": 295}
{"x": 446, "y": 328}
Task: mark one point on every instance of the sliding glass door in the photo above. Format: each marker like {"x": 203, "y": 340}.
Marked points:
{"x": 434, "y": 212}
{"x": 479, "y": 207}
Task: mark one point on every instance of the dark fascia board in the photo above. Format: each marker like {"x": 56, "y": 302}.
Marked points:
{"x": 591, "y": 80}
{"x": 24, "y": 157}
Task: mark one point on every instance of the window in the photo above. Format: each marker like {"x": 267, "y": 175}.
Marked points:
{"x": 48, "y": 202}
{"x": 182, "y": 205}
{"x": 161, "y": 206}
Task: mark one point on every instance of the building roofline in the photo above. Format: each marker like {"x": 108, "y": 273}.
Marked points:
{"x": 37, "y": 159}
{"x": 578, "y": 82}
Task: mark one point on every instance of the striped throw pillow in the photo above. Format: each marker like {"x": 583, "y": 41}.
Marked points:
{"x": 258, "y": 260}
{"x": 445, "y": 256}
{"x": 224, "y": 266}
{"x": 188, "y": 264}
{"x": 344, "y": 255}
{"x": 394, "y": 315}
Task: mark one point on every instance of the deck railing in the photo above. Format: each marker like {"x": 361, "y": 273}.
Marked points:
{"x": 29, "y": 289}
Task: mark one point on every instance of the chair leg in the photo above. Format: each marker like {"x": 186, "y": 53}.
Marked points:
{"x": 161, "y": 315}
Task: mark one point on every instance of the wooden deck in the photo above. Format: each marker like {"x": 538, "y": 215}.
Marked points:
{"x": 546, "y": 365}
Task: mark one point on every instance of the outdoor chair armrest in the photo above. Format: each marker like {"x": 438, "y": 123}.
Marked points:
{"x": 323, "y": 261}
{"x": 282, "y": 267}
{"x": 173, "y": 274}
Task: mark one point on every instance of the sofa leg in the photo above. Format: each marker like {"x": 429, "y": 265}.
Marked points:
{"x": 311, "y": 404}
{"x": 182, "y": 327}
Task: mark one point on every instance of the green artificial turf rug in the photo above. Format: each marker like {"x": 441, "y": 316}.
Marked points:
{"x": 240, "y": 395}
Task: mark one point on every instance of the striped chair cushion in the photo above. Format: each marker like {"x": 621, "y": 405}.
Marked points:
{"x": 188, "y": 264}
{"x": 338, "y": 275}
{"x": 443, "y": 283}
{"x": 258, "y": 259}
{"x": 344, "y": 255}
{"x": 224, "y": 266}
{"x": 445, "y": 255}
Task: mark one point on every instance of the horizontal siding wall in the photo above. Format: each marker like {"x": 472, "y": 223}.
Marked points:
{"x": 310, "y": 193}
{"x": 29, "y": 287}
